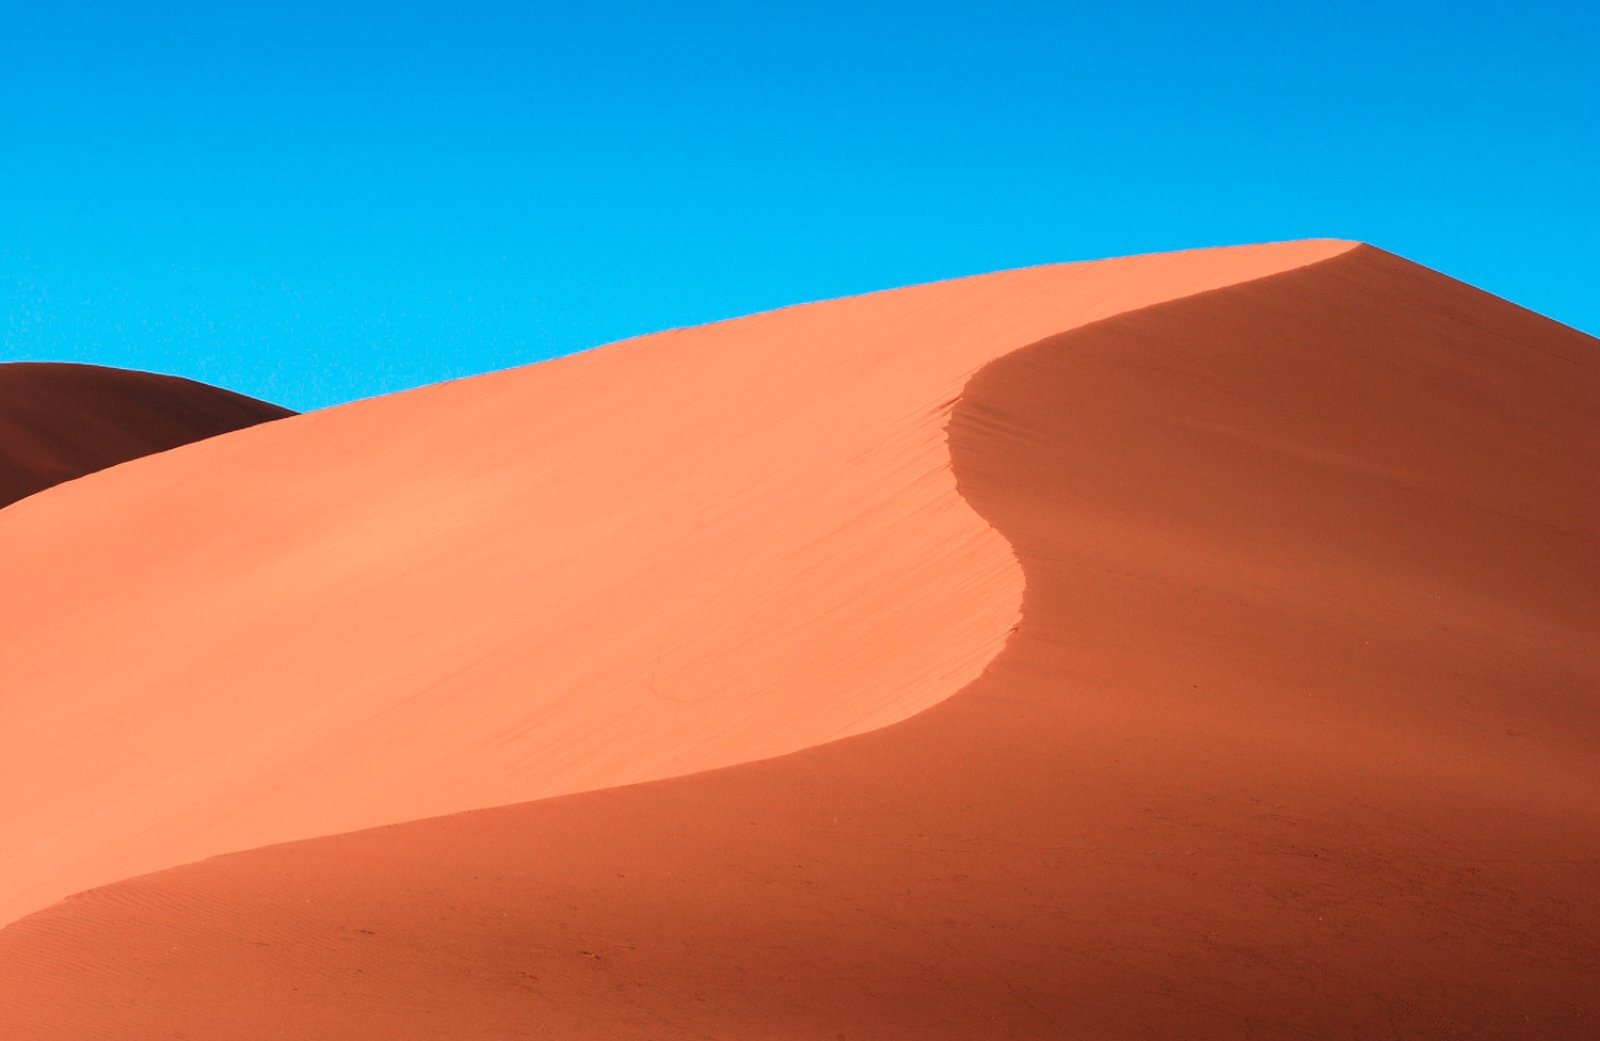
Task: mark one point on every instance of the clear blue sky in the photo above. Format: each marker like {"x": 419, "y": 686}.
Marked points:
{"x": 317, "y": 202}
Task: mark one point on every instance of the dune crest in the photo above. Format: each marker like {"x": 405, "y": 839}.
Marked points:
{"x": 1294, "y": 738}
{"x": 59, "y": 422}
{"x": 683, "y": 552}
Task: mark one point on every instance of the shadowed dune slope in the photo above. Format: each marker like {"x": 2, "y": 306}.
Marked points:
{"x": 59, "y": 422}
{"x": 1295, "y": 738}
{"x": 683, "y": 552}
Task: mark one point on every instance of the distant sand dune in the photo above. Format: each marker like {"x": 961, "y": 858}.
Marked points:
{"x": 59, "y": 422}
{"x": 1295, "y": 735}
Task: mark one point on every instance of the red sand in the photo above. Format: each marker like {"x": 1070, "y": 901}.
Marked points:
{"x": 1296, "y": 735}
{"x": 59, "y": 422}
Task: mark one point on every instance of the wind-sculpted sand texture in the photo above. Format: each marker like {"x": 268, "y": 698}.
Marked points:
{"x": 59, "y": 422}
{"x": 1295, "y": 737}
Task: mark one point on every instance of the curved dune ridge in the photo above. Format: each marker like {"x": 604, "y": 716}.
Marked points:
{"x": 1295, "y": 735}
{"x": 678, "y": 553}
{"x": 59, "y": 422}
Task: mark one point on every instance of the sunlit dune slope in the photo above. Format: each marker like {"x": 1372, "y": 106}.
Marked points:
{"x": 1295, "y": 737}
{"x": 58, "y": 422}
{"x": 682, "y": 552}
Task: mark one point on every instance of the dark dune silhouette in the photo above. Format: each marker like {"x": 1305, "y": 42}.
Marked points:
{"x": 61, "y": 421}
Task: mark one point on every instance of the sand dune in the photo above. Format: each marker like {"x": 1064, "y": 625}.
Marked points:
{"x": 1294, "y": 735}
{"x": 59, "y": 422}
{"x": 691, "y": 551}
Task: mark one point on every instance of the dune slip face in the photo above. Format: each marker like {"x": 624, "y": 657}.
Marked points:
{"x": 59, "y": 422}
{"x": 1294, "y": 736}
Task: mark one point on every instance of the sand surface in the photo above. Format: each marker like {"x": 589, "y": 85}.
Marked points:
{"x": 1234, "y": 613}
{"x": 59, "y": 422}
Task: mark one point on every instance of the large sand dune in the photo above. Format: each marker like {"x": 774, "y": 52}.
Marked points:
{"x": 59, "y": 422}
{"x": 1235, "y": 613}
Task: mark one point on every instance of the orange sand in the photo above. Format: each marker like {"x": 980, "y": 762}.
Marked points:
{"x": 1295, "y": 735}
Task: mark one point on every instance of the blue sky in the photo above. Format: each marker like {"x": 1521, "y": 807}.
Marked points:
{"x": 318, "y": 202}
